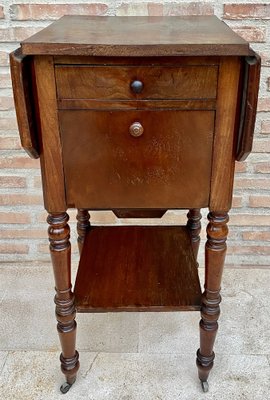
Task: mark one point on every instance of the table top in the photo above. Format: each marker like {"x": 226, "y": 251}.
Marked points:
{"x": 136, "y": 36}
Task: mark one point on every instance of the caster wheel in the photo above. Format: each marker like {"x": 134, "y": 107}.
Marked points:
{"x": 205, "y": 386}
{"x": 65, "y": 387}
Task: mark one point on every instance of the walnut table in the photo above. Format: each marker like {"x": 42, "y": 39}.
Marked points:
{"x": 136, "y": 115}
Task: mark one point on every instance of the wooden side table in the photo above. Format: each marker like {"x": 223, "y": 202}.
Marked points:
{"x": 136, "y": 115}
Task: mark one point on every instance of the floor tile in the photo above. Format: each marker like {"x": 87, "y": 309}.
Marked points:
{"x": 171, "y": 377}
{"x": 243, "y": 325}
{"x": 133, "y": 356}
{"x": 27, "y": 311}
{"x": 169, "y": 332}
{"x": 245, "y": 312}
{"x": 3, "y": 357}
{"x": 8, "y": 275}
{"x": 35, "y": 375}
{"x": 108, "y": 332}
{"x": 29, "y": 302}
{"x": 107, "y": 376}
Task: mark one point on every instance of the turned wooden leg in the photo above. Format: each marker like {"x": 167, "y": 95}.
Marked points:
{"x": 83, "y": 225}
{"x": 215, "y": 250}
{"x": 194, "y": 225}
{"x": 64, "y": 299}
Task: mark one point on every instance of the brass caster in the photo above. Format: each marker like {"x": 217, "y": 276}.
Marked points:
{"x": 65, "y": 387}
{"x": 205, "y": 386}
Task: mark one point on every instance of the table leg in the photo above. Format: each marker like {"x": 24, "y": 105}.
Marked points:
{"x": 215, "y": 251}
{"x": 83, "y": 225}
{"x": 60, "y": 249}
{"x": 194, "y": 226}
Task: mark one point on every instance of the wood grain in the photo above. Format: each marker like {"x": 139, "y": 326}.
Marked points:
{"x": 21, "y": 75}
{"x": 188, "y": 114}
{"x": 215, "y": 251}
{"x": 114, "y": 82}
{"x": 252, "y": 67}
{"x": 163, "y": 168}
{"x": 50, "y": 151}
{"x": 59, "y": 234}
{"x": 80, "y": 104}
{"x": 194, "y": 227}
{"x": 225, "y": 132}
{"x": 141, "y": 213}
{"x": 136, "y": 36}
{"x": 83, "y": 225}
{"x": 137, "y": 268}
{"x": 138, "y": 61}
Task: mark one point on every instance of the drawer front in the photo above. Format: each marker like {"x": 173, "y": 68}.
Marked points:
{"x": 110, "y": 163}
{"x": 115, "y": 82}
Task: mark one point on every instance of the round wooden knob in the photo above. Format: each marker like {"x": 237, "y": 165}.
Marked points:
{"x": 136, "y": 86}
{"x": 136, "y": 129}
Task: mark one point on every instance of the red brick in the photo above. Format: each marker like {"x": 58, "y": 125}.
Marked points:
{"x": 263, "y": 250}
{"x": 262, "y": 167}
{"x": 265, "y": 59}
{"x": 42, "y": 216}
{"x": 251, "y": 34}
{"x": 19, "y": 162}
{"x": 263, "y": 104}
{"x": 18, "y": 33}
{"x": 240, "y": 167}
{"x": 54, "y": 11}
{"x": 265, "y": 127}
{"x": 4, "y": 61}
{"x": 233, "y": 235}
{"x": 251, "y": 183}
{"x": 9, "y": 143}
{"x": 261, "y": 146}
{"x": 155, "y": 9}
{"x": 192, "y": 8}
{"x": 237, "y": 202}
{"x": 241, "y": 11}
{"x": 250, "y": 220}
{"x": 152, "y": 8}
{"x": 256, "y": 236}
{"x": 23, "y": 234}
{"x": 8, "y": 124}
{"x": 259, "y": 201}
{"x": 14, "y": 218}
{"x": 6, "y": 103}
{"x": 5, "y": 81}
{"x": 37, "y": 182}
{"x": 44, "y": 248}
{"x": 12, "y": 182}
{"x": 20, "y": 199}
{"x": 12, "y": 248}
{"x": 133, "y": 9}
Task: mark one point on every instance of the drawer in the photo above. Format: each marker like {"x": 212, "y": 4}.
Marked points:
{"x": 109, "y": 165}
{"x": 115, "y": 82}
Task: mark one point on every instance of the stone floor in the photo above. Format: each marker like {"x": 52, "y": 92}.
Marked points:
{"x": 147, "y": 356}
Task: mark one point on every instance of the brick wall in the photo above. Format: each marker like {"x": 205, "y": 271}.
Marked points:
{"x": 23, "y": 230}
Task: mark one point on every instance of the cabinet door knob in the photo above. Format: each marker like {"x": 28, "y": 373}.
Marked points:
{"x": 136, "y": 129}
{"x": 136, "y": 86}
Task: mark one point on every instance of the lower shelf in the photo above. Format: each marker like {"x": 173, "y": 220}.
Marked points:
{"x": 137, "y": 268}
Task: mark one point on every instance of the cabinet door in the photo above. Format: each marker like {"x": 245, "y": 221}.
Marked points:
{"x": 107, "y": 166}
